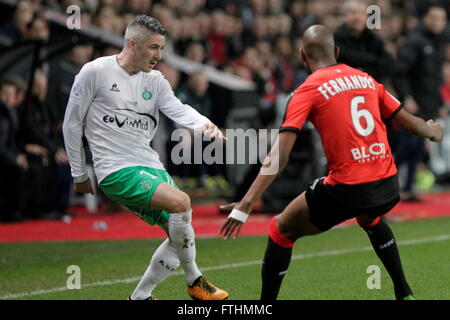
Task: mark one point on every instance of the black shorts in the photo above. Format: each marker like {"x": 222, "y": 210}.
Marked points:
{"x": 330, "y": 205}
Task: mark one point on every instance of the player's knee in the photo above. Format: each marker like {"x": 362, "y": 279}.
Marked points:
{"x": 367, "y": 222}
{"x": 290, "y": 232}
{"x": 180, "y": 202}
{"x": 280, "y": 234}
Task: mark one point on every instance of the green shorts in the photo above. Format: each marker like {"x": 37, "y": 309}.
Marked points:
{"x": 133, "y": 187}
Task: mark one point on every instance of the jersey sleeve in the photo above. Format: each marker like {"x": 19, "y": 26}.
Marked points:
{"x": 297, "y": 111}
{"x": 389, "y": 105}
{"x": 81, "y": 96}
{"x": 177, "y": 111}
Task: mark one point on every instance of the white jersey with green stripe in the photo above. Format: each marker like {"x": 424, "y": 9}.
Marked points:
{"x": 119, "y": 114}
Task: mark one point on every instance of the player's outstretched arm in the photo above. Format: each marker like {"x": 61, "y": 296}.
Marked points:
{"x": 426, "y": 129}
{"x": 273, "y": 164}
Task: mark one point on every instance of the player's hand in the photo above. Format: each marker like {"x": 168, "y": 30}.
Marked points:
{"x": 84, "y": 187}
{"x": 212, "y": 131}
{"x": 437, "y": 129}
{"x": 232, "y": 225}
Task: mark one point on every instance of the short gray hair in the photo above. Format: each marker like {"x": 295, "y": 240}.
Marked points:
{"x": 141, "y": 26}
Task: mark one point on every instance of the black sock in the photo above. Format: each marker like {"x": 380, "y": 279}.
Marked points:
{"x": 275, "y": 264}
{"x": 385, "y": 246}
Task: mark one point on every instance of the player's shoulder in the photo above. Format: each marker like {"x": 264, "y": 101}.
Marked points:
{"x": 98, "y": 65}
{"x": 337, "y": 70}
{"x": 320, "y": 75}
{"x": 155, "y": 79}
{"x": 154, "y": 75}
{"x": 306, "y": 85}
{"x": 350, "y": 71}
{"x": 316, "y": 78}
{"x": 357, "y": 72}
{"x": 102, "y": 63}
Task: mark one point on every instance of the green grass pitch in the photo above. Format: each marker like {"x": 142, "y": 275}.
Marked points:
{"x": 332, "y": 265}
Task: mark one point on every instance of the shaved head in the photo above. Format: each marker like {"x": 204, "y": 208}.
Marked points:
{"x": 318, "y": 47}
{"x": 318, "y": 42}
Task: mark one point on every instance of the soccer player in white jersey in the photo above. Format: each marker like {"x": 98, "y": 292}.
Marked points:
{"x": 115, "y": 102}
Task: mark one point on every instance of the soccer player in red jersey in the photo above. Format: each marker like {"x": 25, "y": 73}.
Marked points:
{"x": 347, "y": 107}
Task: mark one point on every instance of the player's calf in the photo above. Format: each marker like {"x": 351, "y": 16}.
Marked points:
{"x": 182, "y": 238}
{"x": 276, "y": 261}
{"x": 163, "y": 262}
{"x": 385, "y": 246}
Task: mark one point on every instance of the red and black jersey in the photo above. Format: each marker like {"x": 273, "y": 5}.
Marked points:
{"x": 347, "y": 108}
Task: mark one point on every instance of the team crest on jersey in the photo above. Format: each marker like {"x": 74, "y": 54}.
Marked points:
{"x": 145, "y": 185}
{"x": 146, "y": 95}
{"x": 114, "y": 87}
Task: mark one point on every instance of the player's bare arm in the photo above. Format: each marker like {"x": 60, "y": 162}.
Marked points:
{"x": 280, "y": 153}
{"x": 426, "y": 129}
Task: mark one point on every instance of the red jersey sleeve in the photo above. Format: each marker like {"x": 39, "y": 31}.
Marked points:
{"x": 389, "y": 105}
{"x": 298, "y": 109}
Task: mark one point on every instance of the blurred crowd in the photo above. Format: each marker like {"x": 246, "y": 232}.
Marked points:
{"x": 257, "y": 40}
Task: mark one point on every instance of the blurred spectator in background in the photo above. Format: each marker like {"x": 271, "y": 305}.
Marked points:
{"x": 16, "y": 29}
{"x": 38, "y": 29}
{"x": 234, "y": 41}
{"x": 217, "y": 39}
{"x": 258, "y": 31}
{"x": 62, "y": 73}
{"x": 392, "y": 33}
{"x": 285, "y": 72}
{"x": 108, "y": 20}
{"x": 195, "y": 94}
{"x": 134, "y": 6}
{"x": 16, "y": 185}
{"x": 297, "y": 11}
{"x": 265, "y": 80}
{"x": 45, "y": 153}
{"x": 204, "y": 22}
{"x": 419, "y": 65}
{"x": 360, "y": 47}
{"x": 189, "y": 31}
{"x": 419, "y": 77}
{"x": 195, "y": 52}
{"x": 172, "y": 75}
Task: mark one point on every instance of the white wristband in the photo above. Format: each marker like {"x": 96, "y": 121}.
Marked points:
{"x": 238, "y": 215}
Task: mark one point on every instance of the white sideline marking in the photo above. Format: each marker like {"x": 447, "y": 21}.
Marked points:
{"x": 443, "y": 237}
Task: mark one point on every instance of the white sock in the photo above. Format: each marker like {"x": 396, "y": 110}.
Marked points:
{"x": 163, "y": 262}
{"x": 182, "y": 237}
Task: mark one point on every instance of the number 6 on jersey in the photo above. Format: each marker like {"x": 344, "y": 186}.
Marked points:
{"x": 363, "y": 113}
